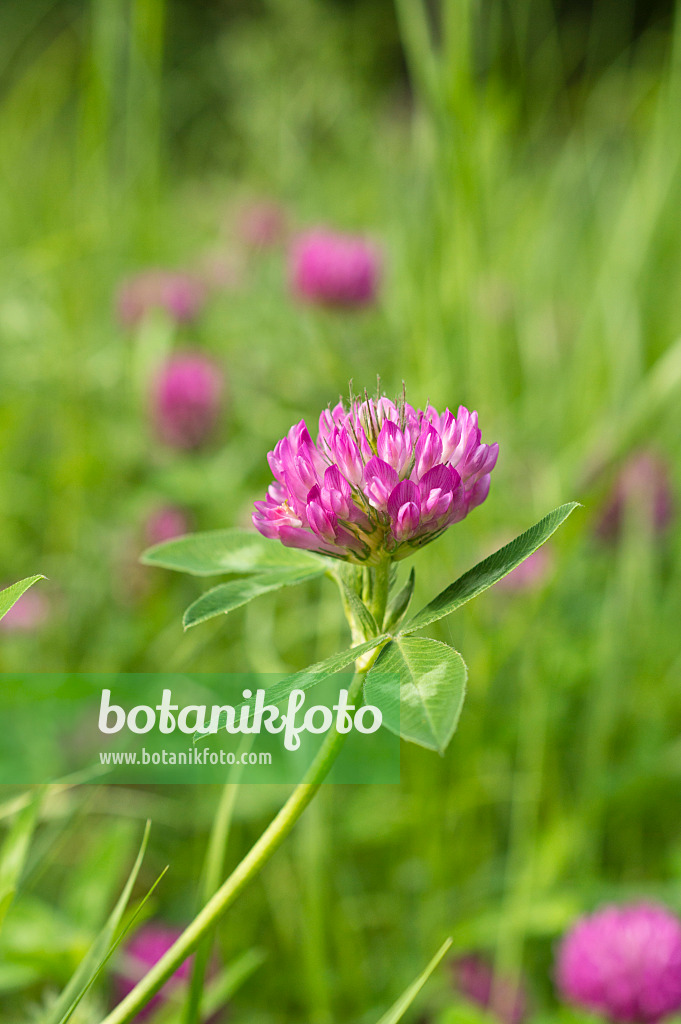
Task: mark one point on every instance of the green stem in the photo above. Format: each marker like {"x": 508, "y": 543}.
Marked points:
{"x": 255, "y": 859}
{"x": 381, "y": 587}
{"x": 212, "y": 874}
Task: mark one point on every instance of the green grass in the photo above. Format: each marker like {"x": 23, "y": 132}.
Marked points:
{"x": 529, "y": 219}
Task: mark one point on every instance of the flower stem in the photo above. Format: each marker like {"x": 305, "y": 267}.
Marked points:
{"x": 381, "y": 587}
{"x": 255, "y": 859}
{"x": 212, "y": 874}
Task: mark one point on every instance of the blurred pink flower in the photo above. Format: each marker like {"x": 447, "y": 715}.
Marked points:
{"x": 474, "y": 977}
{"x": 165, "y": 523}
{"x": 334, "y": 269}
{"x": 531, "y": 573}
{"x": 179, "y": 294}
{"x": 145, "y": 949}
{"x": 30, "y": 612}
{"x": 641, "y": 488}
{"x": 262, "y": 224}
{"x": 624, "y": 962}
{"x": 186, "y": 400}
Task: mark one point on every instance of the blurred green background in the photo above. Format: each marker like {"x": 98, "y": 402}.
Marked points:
{"x": 519, "y": 164}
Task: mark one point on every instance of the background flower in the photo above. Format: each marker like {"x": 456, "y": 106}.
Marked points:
{"x": 262, "y": 224}
{"x": 333, "y": 269}
{"x": 530, "y": 574}
{"x": 28, "y": 614}
{"x": 186, "y": 400}
{"x": 180, "y": 295}
{"x": 474, "y": 977}
{"x": 143, "y": 950}
{"x": 624, "y": 962}
{"x": 165, "y": 523}
{"x": 642, "y": 490}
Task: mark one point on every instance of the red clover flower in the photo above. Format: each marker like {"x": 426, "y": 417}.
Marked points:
{"x": 381, "y": 480}
{"x": 186, "y": 400}
{"x": 334, "y": 269}
{"x": 624, "y": 962}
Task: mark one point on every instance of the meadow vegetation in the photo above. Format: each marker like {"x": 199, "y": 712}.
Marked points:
{"x": 521, "y": 177}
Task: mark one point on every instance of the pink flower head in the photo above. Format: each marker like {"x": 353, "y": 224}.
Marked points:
{"x": 179, "y": 294}
{"x": 380, "y": 480}
{"x": 145, "y": 949}
{"x": 165, "y": 523}
{"x": 29, "y": 613}
{"x": 262, "y": 224}
{"x": 334, "y": 270}
{"x": 624, "y": 962}
{"x": 186, "y": 400}
{"x": 474, "y": 978}
{"x": 643, "y": 489}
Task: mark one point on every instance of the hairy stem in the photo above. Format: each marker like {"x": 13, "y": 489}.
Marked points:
{"x": 380, "y": 589}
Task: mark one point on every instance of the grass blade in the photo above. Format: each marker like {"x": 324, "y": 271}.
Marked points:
{"x": 398, "y": 1009}
{"x": 100, "y": 950}
{"x": 14, "y": 851}
{"x": 216, "y": 993}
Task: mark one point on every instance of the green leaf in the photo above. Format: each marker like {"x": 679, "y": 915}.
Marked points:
{"x": 398, "y": 1010}
{"x": 11, "y": 595}
{"x": 426, "y": 707}
{"x": 359, "y": 610}
{"x": 399, "y": 603}
{"x": 491, "y": 570}
{"x": 228, "y": 596}
{"x": 218, "y": 552}
{"x": 14, "y": 851}
{"x": 309, "y": 677}
{"x": 100, "y": 950}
